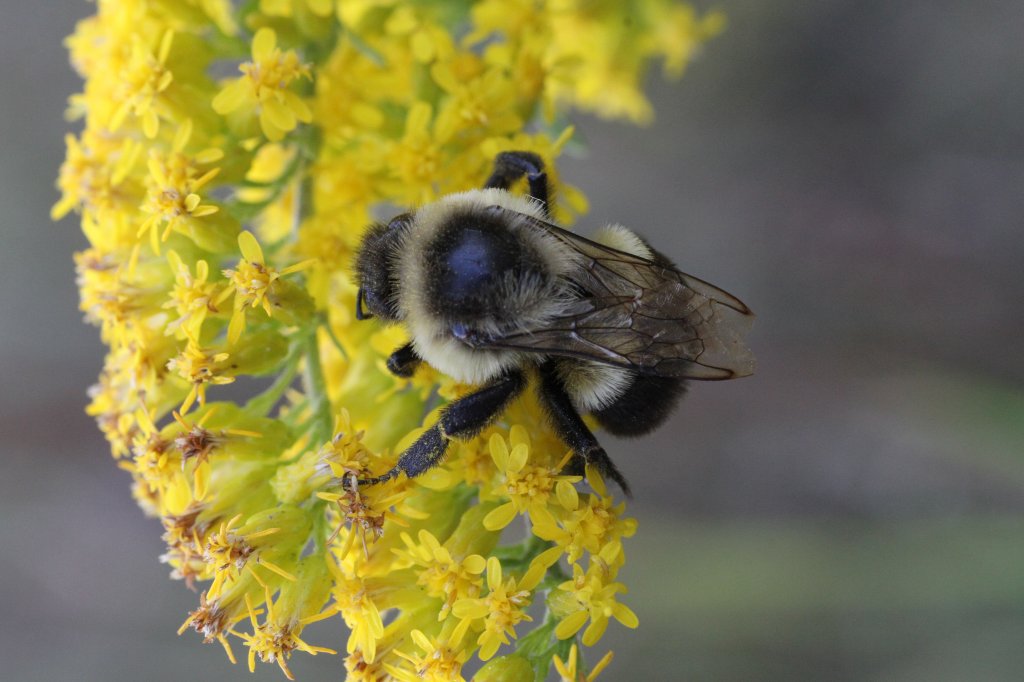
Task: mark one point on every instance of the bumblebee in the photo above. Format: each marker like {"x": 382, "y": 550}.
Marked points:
{"x": 494, "y": 294}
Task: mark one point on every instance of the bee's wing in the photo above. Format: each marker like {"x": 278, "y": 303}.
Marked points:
{"x": 635, "y": 313}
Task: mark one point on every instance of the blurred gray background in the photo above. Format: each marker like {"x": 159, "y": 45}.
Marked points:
{"x": 854, "y": 170}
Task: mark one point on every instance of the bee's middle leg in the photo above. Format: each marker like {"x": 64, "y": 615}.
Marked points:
{"x": 569, "y": 425}
{"x": 463, "y": 419}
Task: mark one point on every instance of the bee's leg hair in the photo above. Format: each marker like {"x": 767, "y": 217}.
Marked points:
{"x": 404, "y": 361}
{"x": 569, "y": 425}
{"x": 510, "y": 166}
{"x": 464, "y": 418}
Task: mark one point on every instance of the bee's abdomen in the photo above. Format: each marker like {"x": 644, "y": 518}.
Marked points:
{"x": 643, "y": 406}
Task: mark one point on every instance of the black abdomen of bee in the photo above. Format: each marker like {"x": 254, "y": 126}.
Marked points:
{"x": 643, "y": 407}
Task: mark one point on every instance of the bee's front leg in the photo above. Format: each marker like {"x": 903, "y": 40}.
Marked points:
{"x": 404, "y": 361}
{"x": 463, "y": 419}
{"x": 569, "y": 425}
{"x": 510, "y": 166}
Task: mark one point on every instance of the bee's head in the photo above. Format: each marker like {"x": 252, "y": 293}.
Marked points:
{"x": 375, "y": 269}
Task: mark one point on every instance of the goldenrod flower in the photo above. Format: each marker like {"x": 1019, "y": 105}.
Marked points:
{"x": 222, "y": 221}
{"x": 591, "y": 524}
{"x": 528, "y": 487}
{"x": 264, "y": 87}
{"x": 143, "y": 80}
{"x": 440, "y": 661}
{"x": 443, "y": 576}
{"x": 253, "y": 282}
{"x": 200, "y": 367}
{"x": 298, "y": 604}
{"x": 172, "y": 189}
{"x": 501, "y": 609}
{"x": 590, "y": 596}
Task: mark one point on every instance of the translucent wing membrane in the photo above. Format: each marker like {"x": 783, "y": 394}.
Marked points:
{"x": 638, "y": 314}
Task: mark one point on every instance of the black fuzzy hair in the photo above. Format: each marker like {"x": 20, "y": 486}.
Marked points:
{"x": 375, "y": 269}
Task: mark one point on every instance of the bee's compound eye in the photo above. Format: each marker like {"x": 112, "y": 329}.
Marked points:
{"x": 373, "y": 301}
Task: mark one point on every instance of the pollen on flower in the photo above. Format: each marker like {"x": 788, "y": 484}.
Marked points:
{"x": 527, "y": 487}
{"x": 438, "y": 662}
{"x": 591, "y": 596}
{"x": 200, "y": 367}
{"x": 94, "y": 175}
{"x": 192, "y": 297}
{"x": 172, "y": 188}
{"x": 442, "y": 575}
{"x": 143, "y": 80}
{"x": 252, "y": 282}
{"x": 501, "y": 609}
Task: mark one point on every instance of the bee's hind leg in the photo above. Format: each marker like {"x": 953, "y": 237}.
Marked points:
{"x": 464, "y": 418}
{"x": 510, "y": 166}
{"x": 569, "y": 425}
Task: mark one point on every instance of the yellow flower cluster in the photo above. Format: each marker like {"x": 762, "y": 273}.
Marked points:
{"x": 229, "y": 158}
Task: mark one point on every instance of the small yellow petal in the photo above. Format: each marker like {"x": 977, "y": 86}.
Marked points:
{"x": 251, "y": 250}
{"x": 181, "y": 137}
{"x": 625, "y": 615}
{"x": 489, "y": 647}
{"x": 156, "y": 170}
{"x": 500, "y": 517}
{"x": 493, "y": 573}
{"x": 470, "y": 608}
{"x": 205, "y": 177}
{"x": 231, "y": 97}
{"x": 165, "y": 46}
{"x": 165, "y": 81}
{"x": 499, "y": 452}
{"x": 422, "y": 641}
{"x": 237, "y": 325}
{"x": 571, "y": 624}
{"x": 263, "y": 44}
{"x": 517, "y": 459}
{"x": 278, "y": 114}
{"x": 151, "y": 124}
{"x": 204, "y": 211}
{"x": 601, "y": 665}
{"x": 270, "y": 131}
{"x": 209, "y": 155}
{"x": 298, "y": 106}
{"x": 474, "y": 564}
{"x": 568, "y": 497}
{"x": 175, "y": 260}
{"x": 595, "y": 631}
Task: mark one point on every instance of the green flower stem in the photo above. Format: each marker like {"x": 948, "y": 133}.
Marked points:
{"x": 313, "y": 382}
{"x": 263, "y": 403}
{"x": 315, "y": 387}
